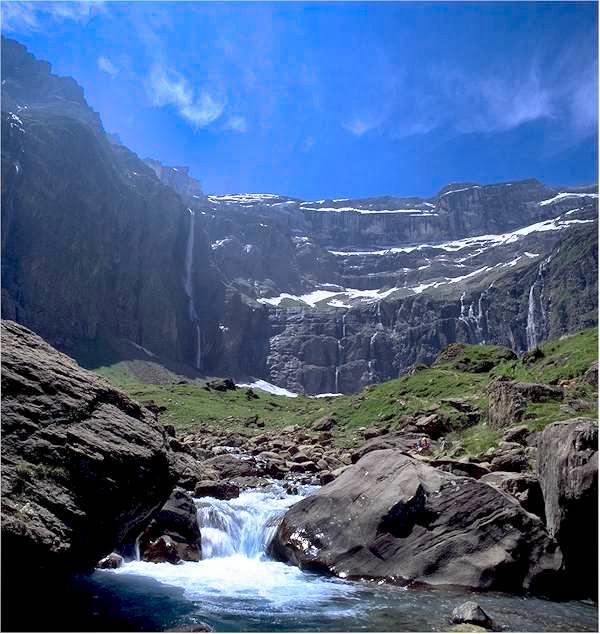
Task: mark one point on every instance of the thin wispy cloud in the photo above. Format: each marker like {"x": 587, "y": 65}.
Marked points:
{"x": 359, "y": 126}
{"x": 105, "y": 65}
{"x": 496, "y": 104}
{"x": 453, "y": 101}
{"x": 237, "y": 124}
{"x": 28, "y": 16}
{"x": 308, "y": 143}
{"x": 167, "y": 87}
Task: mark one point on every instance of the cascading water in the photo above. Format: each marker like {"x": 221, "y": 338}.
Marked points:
{"x": 237, "y": 587}
{"x": 475, "y": 321}
{"x": 532, "y": 331}
{"x": 339, "y": 356}
{"x": 243, "y": 526}
{"x": 236, "y": 579}
{"x": 189, "y": 289}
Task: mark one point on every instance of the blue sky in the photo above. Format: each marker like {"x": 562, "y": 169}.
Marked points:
{"x": 323, "y": 100}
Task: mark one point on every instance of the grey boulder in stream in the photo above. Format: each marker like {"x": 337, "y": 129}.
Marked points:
{"x": 396, "y": 518}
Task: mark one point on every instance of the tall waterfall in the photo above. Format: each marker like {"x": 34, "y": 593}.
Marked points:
{"x": 534, "y": 328}
{"x": 189, "y": 289}
{"x": 530, "y": 329}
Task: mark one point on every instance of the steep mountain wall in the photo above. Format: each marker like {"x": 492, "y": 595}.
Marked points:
{"x": 93, "y": 244}
{"x": 315, "y": 296}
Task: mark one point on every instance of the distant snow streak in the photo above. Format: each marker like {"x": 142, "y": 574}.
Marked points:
{"x": 486, "y": 241}
{"x": 565, "y": 195}
{"x": 265, "y": 386}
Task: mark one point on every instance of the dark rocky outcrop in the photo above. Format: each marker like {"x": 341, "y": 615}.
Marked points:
{"x": 71, "y": 195}
{"x": 393, "y": 517}
{"x": 524, "y": 487}
{"x": 460, "y": 356}
{"x": 568, "y": 472}
{"x": 218, "y": 490}
{"x": 507, "y": 400}
{"x": 173, "y": 535}
{"x": 83, "y": 467}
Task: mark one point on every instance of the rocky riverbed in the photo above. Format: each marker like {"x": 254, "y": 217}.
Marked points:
{"x": 373, "y": 529}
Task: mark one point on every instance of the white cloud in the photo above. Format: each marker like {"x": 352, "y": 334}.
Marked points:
{"x": 449, "y": 101}
{"x": 583, "y": 104}
{"x": 503, "y": 103}
{"x": 25, "y": 16}
{"x": 360, "y": 125}
{"x": 168, "y": 87}
{"x": 237, "y": 124}
{"x": 308, "y": 143}
{"x": 104, "y": 64}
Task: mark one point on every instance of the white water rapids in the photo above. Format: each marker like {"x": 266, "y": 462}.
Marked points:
{"x": 235, "y": 576}
{"x": 237, "y": 587}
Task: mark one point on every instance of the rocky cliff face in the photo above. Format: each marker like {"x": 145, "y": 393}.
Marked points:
{"x": 93, "y": 244}
{"x": 315, "y": 296}
{"x": 340, "y": 318}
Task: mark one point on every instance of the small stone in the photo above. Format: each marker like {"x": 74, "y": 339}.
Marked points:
{"x": 517, "y": 434}
{"x": 326, "y": 477}
{"x": 161, "y": 550}
{"x": 218, "y": 490}
{"x": 323, "y": 424}
{"x": 471, "y": 613}
{"x": 110, "y": 562}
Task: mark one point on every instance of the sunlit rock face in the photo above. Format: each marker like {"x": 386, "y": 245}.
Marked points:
{"x": 391, "y": 517}
{"x": 312, "y": 296}
{"x": 354, "y": 292}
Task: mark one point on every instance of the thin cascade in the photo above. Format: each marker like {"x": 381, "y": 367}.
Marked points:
{"x": 532, "y": 328}
{"x": 473, "y": 319}
{"x": 189, "y": 289}
{"x": 339, "y": 355}
{"x": 463, "y": 312}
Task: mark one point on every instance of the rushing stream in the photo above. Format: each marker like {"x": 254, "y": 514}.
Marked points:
{"x": 237, "y": 587}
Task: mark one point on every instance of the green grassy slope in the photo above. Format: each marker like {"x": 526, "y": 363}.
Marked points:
{"x": 462, "y": 371}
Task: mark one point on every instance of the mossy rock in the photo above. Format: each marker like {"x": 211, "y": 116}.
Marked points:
{"x": 476, "y": 359}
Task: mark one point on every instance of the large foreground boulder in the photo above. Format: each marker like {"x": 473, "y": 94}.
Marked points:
{"x": 396, "y": 518}
{"x": 83, "y": 466}
{"x": 568, "y": 473}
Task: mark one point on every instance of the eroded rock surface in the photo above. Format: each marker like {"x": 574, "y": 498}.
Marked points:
{"x": 83, "y": 466}
{"x": 568, "y": 472}
{"x": 393, "y": 517}
{"x": 508, "y": 400}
